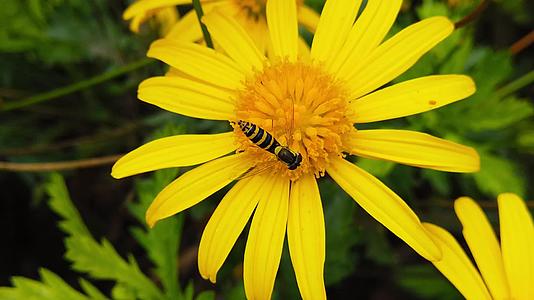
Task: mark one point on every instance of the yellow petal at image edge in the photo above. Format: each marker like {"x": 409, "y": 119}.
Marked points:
{"x": 174, "y": 151}
{"x": 195, "y": 185}
{"x": 484, "y": 246}
{"x": 334, "y": 26}
{"x": 283, "y": 28}
{"x": 411, "y": 97}
{"x": 188, "y": 97}
{"x": 366, "y": 34}
{"x": 234, "y": 40}
{"x": 517, "y": 243}
{"x": 199, "y": 62}
{"x": 413, "y": 148}
{"x": 306, "y": 237}
{"x": 265, "y": 241}
{"x": 383, "y": 205}
{"x": 144, "y": 6}
{"x": 227, "y": 223}
{"x": 397, "y": 54}
{"x": 456, "y": 266}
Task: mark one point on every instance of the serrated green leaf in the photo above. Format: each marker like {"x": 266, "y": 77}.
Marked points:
{"x": 52, "y": 287}
{"x": 161, "y": 242}
{"x": 61, "y": 204}
{"x": 101, "y": 261}
{"x": 122, "y": 292}
{"x": 91, "y": 290}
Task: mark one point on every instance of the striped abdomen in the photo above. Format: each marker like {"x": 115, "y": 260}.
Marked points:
{"x": 266, "y": 141}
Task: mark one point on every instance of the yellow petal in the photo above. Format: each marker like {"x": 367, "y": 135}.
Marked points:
{"x": 304, "y": 49}
{"x": 308, "y": 17}
{"x": 334, "y": 26}
{"x": 366, "y": 34}
{"x": 517, "y": 242}
{"x": 198, "y": 61}
{"x": 194, "y": 186}
{"x": 456, "y": 266}
{"x": 397, "y": 55}
{"x": 143, "y": 6}
{"x": 414, "y": 149}
{"x": 188, "y": 97}
{"x": 227, "y": 223}
{"x": 411, "y": 97}
{"x": 306, "y": 237}
{"x": 166, "y": 19}
{"x": 234, "y": 40}
{"x": 174, "y": 151}
{"x": 136, "y": 22}
{"x": 187, "y": 28}
{"x": 283, "y": 27}
{"x": 484, "y": 246}
{"x": 265, "y": 240}
{"x": 384, "y": 205}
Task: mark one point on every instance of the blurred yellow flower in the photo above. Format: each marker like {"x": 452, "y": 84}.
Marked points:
{"x": 309, "y": 103}
{"x": 250, "y": 14}
{"x": 164, "y": 11}
{"x": 508, "y": 270}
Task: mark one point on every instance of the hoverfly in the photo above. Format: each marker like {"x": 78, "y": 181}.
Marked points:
{"x": 266, "y": 141}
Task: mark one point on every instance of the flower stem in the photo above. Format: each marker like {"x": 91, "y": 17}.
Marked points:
{"x": 205, "y": 32}
{"x": 515, "y": 85}
{"x": 78, "y": 86}
{"x": 473, "y": 15}
{"x": 60, "y": 165}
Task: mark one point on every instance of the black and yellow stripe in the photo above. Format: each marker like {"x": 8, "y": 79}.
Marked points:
{"x": 266, "y": 141}
{"x": 259, "y": 136}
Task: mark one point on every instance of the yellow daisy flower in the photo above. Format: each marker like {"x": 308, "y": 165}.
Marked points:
{"x": 163, "y": 11}
{"x": 250, "y": 14}
{"x": 308, "y": 104}
{"x": 508, "y": 270}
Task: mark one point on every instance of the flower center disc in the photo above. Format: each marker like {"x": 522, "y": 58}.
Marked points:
{"x": 303, "y": 108}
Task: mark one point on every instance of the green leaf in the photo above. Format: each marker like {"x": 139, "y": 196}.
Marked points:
{"x": 52, "y": 287}
{"x": 426, "y": 282}
{"x": 498, "y": 175}
{"x": 60, "y": 203}
{"x": 100, "y": 260}
{"x": 379, "y": 168}
{"x": 163, "y": 241}
{"x": 91, "y": 290}
{"x": 342, "y": 235}
{"x": 206, "y": 295}
{"x": 526, "y": 140}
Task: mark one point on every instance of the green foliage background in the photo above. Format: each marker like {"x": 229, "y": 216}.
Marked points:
{"x": 47, "y": 44}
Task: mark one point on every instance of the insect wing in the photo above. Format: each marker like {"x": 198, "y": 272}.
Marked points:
{"x": 257, "y": 170}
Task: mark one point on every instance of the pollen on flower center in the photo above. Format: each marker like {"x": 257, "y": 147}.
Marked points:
{"x": 303, "y": 108}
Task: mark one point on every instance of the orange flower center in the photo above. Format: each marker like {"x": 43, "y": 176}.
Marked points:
{"x": 303, "y": 108}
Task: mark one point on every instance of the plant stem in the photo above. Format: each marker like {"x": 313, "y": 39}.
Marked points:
{"x": 78, "y": 86}
{"x": 515, "y": 85}
{"x": 205, "y": 32}
{"x": 473, "y": 15}
{"x": 60, "y": 165}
